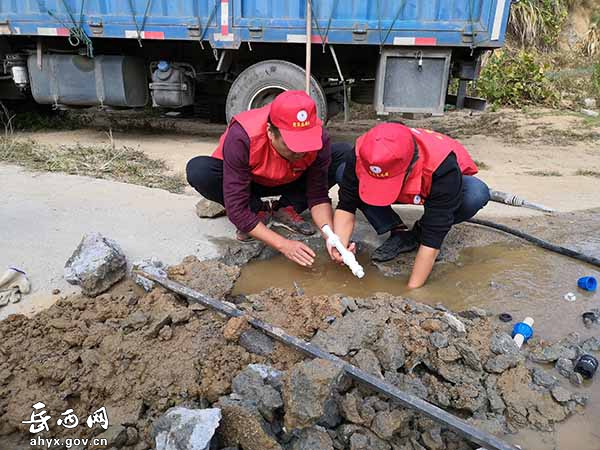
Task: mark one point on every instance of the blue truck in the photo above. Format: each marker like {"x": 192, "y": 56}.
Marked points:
{"x": 226, "y": 56}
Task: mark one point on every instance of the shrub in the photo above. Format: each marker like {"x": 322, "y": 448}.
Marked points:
{"x": 516, "y": 78}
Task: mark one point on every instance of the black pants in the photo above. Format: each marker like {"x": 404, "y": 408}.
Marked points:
{"x": 205, "y": 174}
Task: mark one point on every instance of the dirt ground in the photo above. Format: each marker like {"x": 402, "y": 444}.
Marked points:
{"x": 536, "y": 154}
{"x": 94, "y": 351}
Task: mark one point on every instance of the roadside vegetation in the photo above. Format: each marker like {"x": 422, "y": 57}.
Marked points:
{"x": 541, "y": 63}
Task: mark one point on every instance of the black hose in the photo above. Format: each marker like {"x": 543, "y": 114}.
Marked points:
{"x": 539, "y": 242}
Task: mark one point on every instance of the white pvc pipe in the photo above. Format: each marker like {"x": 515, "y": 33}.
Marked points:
{"x": 348, "y": 257}
{"x": 519, "y": 338}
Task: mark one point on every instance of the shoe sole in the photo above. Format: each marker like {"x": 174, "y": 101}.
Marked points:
{"x": 395, "y": 256}
{"x": 288, "y": 227}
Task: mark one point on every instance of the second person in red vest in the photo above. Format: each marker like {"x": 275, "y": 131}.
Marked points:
{"x": 395, "y": 164}
{"x": 280, "y": 149}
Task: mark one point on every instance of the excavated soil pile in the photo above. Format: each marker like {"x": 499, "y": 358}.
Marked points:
{"x": 139, "y": 354}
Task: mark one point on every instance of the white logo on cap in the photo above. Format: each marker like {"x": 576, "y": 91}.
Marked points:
{"x": 417, "y": 200}
{"x": 375, "y": 169}
{"x": 302, "y": 115}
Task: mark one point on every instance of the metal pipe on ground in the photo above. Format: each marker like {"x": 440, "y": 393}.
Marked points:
{"x": 489, "y": 441}
{"x": 514, "y": 200}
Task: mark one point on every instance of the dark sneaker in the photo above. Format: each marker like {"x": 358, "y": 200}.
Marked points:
{"x": 398, "y": 242}
{"x": 264, "y": 215}
{"x": 287, "y": 217}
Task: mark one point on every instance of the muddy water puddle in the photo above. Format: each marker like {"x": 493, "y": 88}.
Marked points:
{"x": 519, "y": 279}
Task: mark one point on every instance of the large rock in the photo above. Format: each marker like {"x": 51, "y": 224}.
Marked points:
{"x": 96, "y": 265}
{"x": 351, "y": 332}
{"x": 308, "y": 392}
{"x": 244, "y": 426}
{"x": 186, "y": 429}
{"x": 250, "y": 385}
{"x": 389, "y": 349}
{"x": 206, "y": 209}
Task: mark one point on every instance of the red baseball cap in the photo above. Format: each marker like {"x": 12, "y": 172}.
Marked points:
{"x": 384, "y": 155}
{"x": 294, "y": 113}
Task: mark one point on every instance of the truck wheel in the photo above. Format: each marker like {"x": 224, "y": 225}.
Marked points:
{"x": 260, "y": 83}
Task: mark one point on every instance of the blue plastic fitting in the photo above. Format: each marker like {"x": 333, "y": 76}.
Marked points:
{"x": 588, "y": 283}
{"x": 523, "y": 329}
{"x": 163, "y": 66}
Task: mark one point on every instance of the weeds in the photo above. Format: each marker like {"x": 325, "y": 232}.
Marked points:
{"x": 537, "y": 23}
{"x": 481, "y": 165}
{"x": 544, "y": 173}
{"x": 107, "y": 162}
{"x": 588, "y": 173}
{"x": 516, "y": 78}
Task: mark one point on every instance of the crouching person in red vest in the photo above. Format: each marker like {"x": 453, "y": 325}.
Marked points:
{"x": 280, "y": 149}
{"x": 394, "y": 164}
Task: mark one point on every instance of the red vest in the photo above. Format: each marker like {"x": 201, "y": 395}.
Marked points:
{"x": 433, "y": 149}
{"x": 267, "y": 166}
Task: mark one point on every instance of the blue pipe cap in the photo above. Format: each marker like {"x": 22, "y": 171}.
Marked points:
{"x": 163, "y": 66}
{"x": 588, "y": 283}
{"x": 523, "y": 329}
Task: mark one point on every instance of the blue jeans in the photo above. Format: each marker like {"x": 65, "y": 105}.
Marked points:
{"x": 476, "y": 195}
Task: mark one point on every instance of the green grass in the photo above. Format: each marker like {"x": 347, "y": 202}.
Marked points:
{"x": 107, "y": 162}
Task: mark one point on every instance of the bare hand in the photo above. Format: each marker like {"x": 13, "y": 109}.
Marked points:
{"x": 335, "y": 255}
{"x": 299, "y": 253}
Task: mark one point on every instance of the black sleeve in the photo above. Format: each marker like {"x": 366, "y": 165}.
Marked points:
{"x": 443, "y": 201}
{"x": 349, "y": 199}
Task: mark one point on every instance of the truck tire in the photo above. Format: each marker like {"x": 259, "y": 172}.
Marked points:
{"x": 260, "y": 83}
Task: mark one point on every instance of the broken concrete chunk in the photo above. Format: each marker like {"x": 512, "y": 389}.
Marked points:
{"x": 454, "y": 323}
{"x": 387, "y": 423}
{"x": 591, "y": 345}
{"x": 389, "y": 349}
{"x": 351, "y": 332}
{"x": 561, "y": 395}
{"x": 552, "y": 353}
{"x": 308, "y": 389}
{"x": 152, "y": 266}
{"x": 366, "y": 360}
{"x": 186, "y": 429}
{"x": 313, "y": 439}
{"x": 270, "y": 376}
{"x": 251, "y": 386}
{"x": 96, "y": 265}
{"x": 544, "y": 378}
{"x": 116, "y": 436}
{"x": 244, "y": 426}
{"x": 501, "y": 363}
{"x": 207, "y": 209}
{"x": 564, "y": 366}
{"x": 438, "y": 340}
{"x": 257, "y": 342}
{"x": 503, "y": 344}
